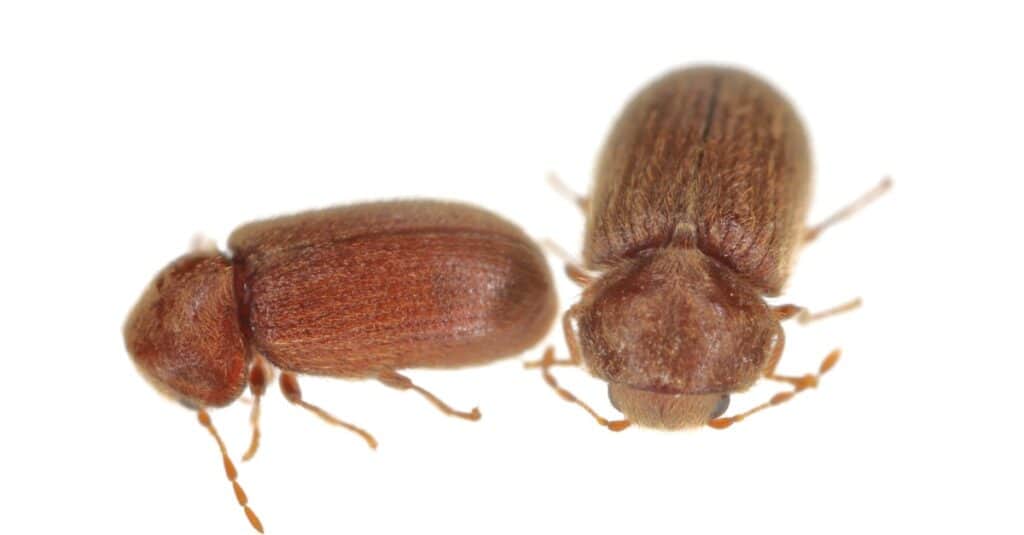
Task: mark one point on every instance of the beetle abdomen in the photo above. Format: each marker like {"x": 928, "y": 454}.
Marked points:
{"x": 391, "y": 285}
{"x": 713, "y": 147}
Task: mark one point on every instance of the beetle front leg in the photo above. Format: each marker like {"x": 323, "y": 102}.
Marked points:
{"x": 260, "y": 373}
{"x": 549, "y": 360}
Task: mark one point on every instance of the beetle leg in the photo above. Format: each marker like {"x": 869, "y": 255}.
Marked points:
{"x": 260, "y": 374}
{"x": 575, "y": 358}
{"x": 811, "y": 233}
{"x": 545, "y": 368}
{"x": 573, "y": 270}
{"x": 545, "y": 362}
{"x": 231, "y": 472}
{"x": 804, "y": 316}
{"x": 548, "y": 359}
{"x": 578, "y": 275}
{"x": 201, "y": 243}
{"x": 401, "y": 382}
{"x": 799, "y": 383}
{"x": 582, "y": 201}
{"x": 290, "y": 389}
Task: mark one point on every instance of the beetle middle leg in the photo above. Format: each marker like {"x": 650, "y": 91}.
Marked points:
{"x": 811, "y": 233}
{"x": 804, "y": 316}
{"x": 401, "y": 382}
{"x": 290, "y": 389}
{"x": 573, "y": 269}
{"x": 582, "y": 201}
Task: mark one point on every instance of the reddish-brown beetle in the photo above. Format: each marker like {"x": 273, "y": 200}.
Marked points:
{"x": 356, "y": 292}
{"x": 696, "y": 215}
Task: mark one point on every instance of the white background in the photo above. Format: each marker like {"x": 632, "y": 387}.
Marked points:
{"x": 126, "y": 127}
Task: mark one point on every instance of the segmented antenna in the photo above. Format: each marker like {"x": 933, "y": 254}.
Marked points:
{"x": 229, "y": 470}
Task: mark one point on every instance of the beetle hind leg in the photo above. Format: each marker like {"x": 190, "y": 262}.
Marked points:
{"x": 401, "y": 382}
{"x": 812, "y": 233}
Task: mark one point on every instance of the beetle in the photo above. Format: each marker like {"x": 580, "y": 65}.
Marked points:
{"x": 696, "y": 215}
{"x": 358, "y": 292}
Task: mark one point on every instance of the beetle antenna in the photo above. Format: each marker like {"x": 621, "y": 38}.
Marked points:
{"x": 229, "y": 470}
{"x": 545, "y": 365}
{"x": 799, "y": 385}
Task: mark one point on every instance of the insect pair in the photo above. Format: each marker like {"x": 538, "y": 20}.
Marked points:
{"x": 696, "y": 215}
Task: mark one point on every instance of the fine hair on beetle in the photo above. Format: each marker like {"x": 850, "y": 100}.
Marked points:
{"x": 357, "y": 292}
{"x": 696, "y": 215}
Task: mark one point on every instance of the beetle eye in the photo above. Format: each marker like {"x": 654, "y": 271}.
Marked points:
{"x": 721, "y": 407}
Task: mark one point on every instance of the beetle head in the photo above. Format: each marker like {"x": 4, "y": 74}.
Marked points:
{"x": 674, "y": 332}
{"x": 184, "y": 335}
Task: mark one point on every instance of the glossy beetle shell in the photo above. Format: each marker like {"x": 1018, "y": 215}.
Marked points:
{"x": 712, "y": 147}
{"x": 350, "y": 291}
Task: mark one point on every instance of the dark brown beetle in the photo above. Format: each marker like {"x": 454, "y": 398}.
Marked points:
{"x": 357, "y": 291}
{"x": 696, "y": 215}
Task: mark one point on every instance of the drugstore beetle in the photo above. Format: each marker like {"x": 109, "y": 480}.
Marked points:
{"x": 356, "y": 291}
{"x": 696, "y": 215}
